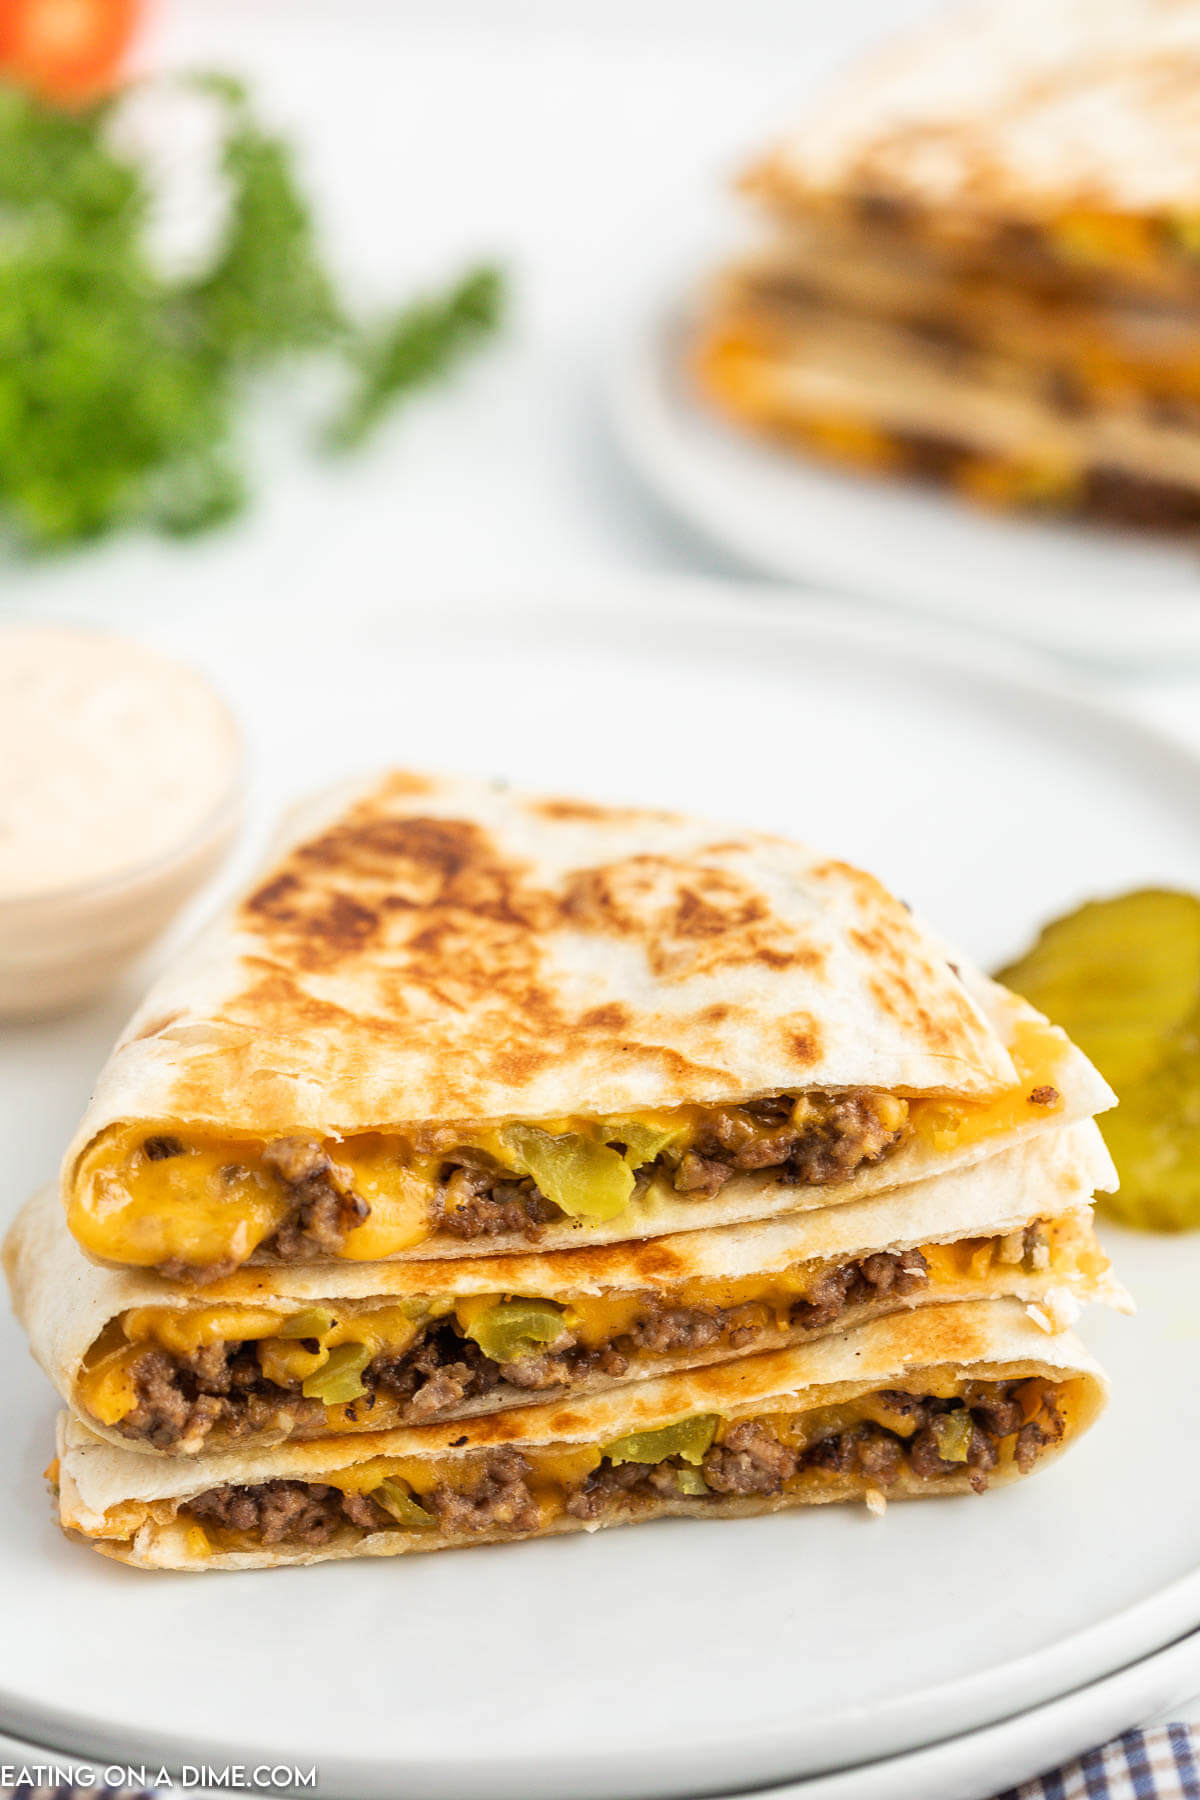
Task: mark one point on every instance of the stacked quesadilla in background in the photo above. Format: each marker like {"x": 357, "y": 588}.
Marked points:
{"x": 501, "y": 1165}
{"x": 984, "y": 265}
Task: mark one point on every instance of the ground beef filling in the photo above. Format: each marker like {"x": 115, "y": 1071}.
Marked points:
{"x": 750, "y": 1462}
{"x": 180, "y": 1400}
{"x": 820, "y": 1139}
{"x": 311, "y": 1513}
{"x": 477, "y": 1200}
{"x": 324, "y": 1209}
{"x": 823, "y": 1138}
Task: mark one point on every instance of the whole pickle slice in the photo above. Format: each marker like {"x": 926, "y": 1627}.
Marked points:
{"x": 1122, "y": 977}
{"x": 1154, "y": 1136}
{"x": 1119, "y": 976}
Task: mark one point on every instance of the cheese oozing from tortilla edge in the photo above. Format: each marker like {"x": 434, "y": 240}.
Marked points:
{"x": 291, "y": 1351}
{"x": 557, "y": 1471}
{"x": 210, "y": 1204}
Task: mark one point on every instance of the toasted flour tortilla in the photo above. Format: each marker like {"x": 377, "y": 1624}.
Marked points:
{"x": 991, "y": 115}
{"x": 791, "y": 377}
{"x": 422, "y": 949}
{"x": 128, "y": 1506}
{"x": 423, "y": 953}
{"x": 68, "y": 1304}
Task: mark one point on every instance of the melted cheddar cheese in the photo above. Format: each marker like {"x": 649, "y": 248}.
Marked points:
{"x": 557, "y": 1470}
{"x": 1037, "y": 1050}
{"x": 108, "y": 1383}
{"x": 212, "y": 1203}
{"x": 1108, "y": 239}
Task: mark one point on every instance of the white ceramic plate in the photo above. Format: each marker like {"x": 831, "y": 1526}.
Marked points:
{"x": 984, "y": 1763}
{"x": 682, "y": 1658}
{"x": 1093, "y": 593}
{"x": 975, "y": 1766}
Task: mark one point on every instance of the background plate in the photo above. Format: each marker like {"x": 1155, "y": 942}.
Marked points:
{"x": 1090, "y": 593}
{"x": 981, "y": 1764}
{"x": 682, "y": 1658}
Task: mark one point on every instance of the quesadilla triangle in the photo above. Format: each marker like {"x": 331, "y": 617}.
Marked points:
{"x": 983, "y": 267}
{"x": 1054, "y": 147}
{"x": 449, "y": 1018}
{"x": 948, "y": 1400}
{"x": 302, "y": 1353}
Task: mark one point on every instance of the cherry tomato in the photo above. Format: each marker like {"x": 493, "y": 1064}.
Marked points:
{"x": 68, "y": 50}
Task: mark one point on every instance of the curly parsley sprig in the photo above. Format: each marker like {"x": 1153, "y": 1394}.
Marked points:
{"x": 121, "y": 388}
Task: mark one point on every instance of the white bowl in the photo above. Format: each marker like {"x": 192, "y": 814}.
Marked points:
{"x": 59, "y": 950}
{"x": 121, "y": 793}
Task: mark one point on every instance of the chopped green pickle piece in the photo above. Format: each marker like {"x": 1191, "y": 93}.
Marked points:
{"x": 340, "y": 1376}
{"x": 313, "y": 1322}
{"x": 689, "y": 1439}
{"x": 515, "y": 1328}
{"x": 953, "y": 1433}
{"x": 395, "y": 1498}
{"x": 690, "y": 1481}
{"x": 426, "y": 1306}
{"x": 583, "y": 1177}
{"x": 643, "y": 1142}
{"x": 1122, "y": 977}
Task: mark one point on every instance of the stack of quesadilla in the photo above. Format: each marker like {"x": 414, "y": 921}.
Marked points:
{"x": 503, "y": 1165}
{"x": 984, "y": 264}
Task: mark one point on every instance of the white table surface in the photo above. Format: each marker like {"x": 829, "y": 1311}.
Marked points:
{"x": 581, "y": 143}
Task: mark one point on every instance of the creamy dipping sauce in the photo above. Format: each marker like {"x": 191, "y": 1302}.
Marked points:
{"x": 111, "y": 758}
{"x": 120, "y": 792}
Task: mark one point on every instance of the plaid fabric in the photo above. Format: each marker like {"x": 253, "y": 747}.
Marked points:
{"x": 1141, "y": 1765}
